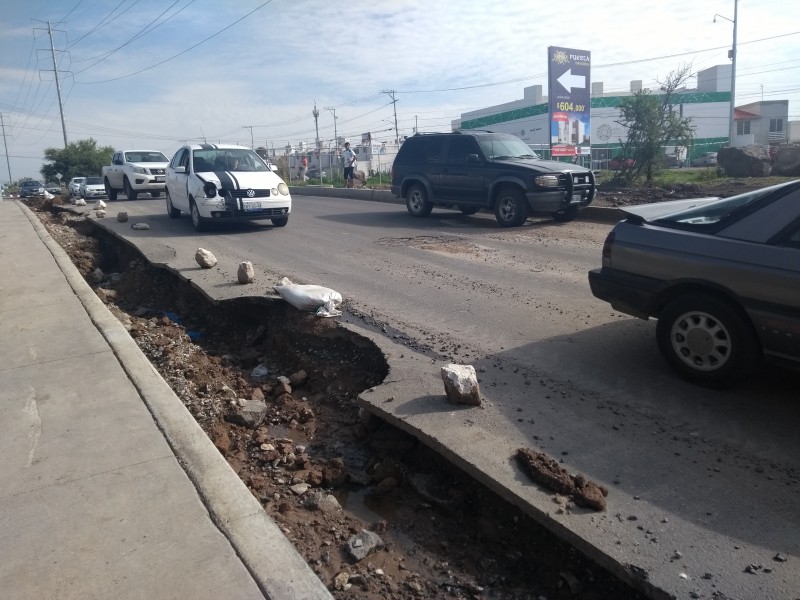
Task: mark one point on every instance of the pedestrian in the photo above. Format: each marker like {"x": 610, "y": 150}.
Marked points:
{"x": 349, "y": 165}
{"x": 303, "y": 168}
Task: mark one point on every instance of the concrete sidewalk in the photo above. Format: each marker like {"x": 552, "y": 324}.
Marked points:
{"x": 110, "y": 488}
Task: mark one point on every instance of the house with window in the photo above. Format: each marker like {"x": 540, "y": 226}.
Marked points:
{"x": 765, "y": 123}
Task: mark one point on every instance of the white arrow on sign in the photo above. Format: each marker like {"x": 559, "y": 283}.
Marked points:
{"x": 569, "y": 81}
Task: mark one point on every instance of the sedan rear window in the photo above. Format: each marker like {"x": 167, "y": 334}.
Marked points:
{"x": 714, "y": 212}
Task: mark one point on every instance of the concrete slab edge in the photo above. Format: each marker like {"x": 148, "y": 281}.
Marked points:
{"x": 274, "y": 563}
{"x": 510, "y": 492}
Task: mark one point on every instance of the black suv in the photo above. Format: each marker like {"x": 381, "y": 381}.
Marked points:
{"x": 476, "y": 170}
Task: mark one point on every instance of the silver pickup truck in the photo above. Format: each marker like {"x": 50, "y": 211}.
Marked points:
{"x": 135, "y": 171}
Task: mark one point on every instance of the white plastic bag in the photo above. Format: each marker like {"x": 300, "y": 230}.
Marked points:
{"x": 324, "y": 301}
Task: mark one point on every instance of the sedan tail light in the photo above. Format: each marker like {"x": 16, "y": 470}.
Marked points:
{"x": 607, "y": 249}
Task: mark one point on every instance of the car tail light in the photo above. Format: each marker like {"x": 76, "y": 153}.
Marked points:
{"x": 607, "y": 249}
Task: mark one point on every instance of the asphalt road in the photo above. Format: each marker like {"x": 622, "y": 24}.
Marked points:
{"x": 711, "y": 477}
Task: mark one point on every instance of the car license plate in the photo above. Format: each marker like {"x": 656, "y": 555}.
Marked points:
{"x": 253, "y": 205}
{"x": 160, "y": 179}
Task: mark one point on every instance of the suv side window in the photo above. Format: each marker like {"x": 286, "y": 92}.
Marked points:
{"x": 422, "y": 151}
{"x": 460, "y": 146}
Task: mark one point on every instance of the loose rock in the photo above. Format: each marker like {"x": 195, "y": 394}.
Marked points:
{"x": 140, "y": 226}
{"x": 205, "y": 258}
{"x": 547, "y": 471}
{"x": 363, "y": 544}
{"x": 122, "y": 217}
{"x": 246, "y": 273}
{"x": 461, "y": 384}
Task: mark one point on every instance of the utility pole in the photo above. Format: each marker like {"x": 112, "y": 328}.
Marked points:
{"x": 391, "y": 94}
{"x": 58, "y": 83}
{"x": 5, "y": 145}
{"x": 416, "y": 124}
{"x": 335, "y": 136}
{"x": 250, "y": 127}
{"x": 315, "y": 112}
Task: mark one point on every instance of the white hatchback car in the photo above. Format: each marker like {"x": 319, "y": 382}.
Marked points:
{"x": 215, "y": 183}
{"x": 75, "y": 186}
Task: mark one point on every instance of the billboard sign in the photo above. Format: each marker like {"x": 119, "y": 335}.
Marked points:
{"x": 569, "y": 100}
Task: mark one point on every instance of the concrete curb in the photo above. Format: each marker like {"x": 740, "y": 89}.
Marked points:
{"x": 276, "y": 566}
{"x": 600, "y": 214}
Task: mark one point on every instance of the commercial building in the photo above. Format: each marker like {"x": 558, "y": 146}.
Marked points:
{"x": 707, "y": 105}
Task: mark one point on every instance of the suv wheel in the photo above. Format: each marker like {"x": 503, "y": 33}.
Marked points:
{"x": 510, "y": 207}
{"x": 706, "y": 340}
{"x": 417, "y": 201}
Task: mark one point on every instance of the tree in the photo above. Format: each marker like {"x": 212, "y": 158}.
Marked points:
{"x": 79, "y": 159}
{"x": 652, "y": 124}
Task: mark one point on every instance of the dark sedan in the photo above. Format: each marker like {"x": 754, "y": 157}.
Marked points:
{"x": 722, "y": 276}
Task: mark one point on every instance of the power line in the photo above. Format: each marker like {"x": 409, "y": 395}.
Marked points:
{"x": 179, "y": 53}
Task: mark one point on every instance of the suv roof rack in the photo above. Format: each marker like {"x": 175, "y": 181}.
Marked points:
{"x": 474, "y": 131}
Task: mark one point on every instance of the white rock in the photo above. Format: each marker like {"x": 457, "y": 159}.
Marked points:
{"x": 205, "y": 258}
{"x": 461, "y": 384}
{"x": 246, "y": 273}
{"x": 100, "y": 214}
{"x": 80, "y": 202}
{"x": 100, "y": 204}
{"x": 140, "y": 226}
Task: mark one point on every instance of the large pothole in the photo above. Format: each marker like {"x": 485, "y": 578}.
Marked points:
{"x": 445, "y": 535}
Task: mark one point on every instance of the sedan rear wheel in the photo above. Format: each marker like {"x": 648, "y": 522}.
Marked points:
{"x": 510, "y": 207}
{"x": 707, "y": 340}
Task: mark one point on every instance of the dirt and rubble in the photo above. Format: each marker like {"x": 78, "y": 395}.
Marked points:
{"x": 275, "y": 390}
{"x": 323, "y": 469}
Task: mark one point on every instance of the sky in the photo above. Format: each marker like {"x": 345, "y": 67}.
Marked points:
{"x": 150, "y": 74}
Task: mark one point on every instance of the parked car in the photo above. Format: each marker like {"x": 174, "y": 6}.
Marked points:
{"x": 616, "y": 164}
{"x": 709, "y": 159}
{"x": 214, "y": 182}
{"x": 53, "y": 188}
{"x": 30, "y": 188}
{"x": 475, "y": 170}
{"x": 74, "y": 186}
{"x": 92, "y": 187}
{"x": 722, "y": 276}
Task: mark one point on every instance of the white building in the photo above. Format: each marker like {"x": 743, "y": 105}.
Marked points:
{"x": 708, "y": 107}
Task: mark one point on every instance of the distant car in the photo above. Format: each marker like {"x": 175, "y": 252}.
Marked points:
{"x": 215, "y": 183}
{"x": 92, "y": 187}
{"x": 709, "y": 159}
{"x": 53, "y": 188}
{"x": 30, "y": 188}
{"x": 722, "y": 276}
{"x": 617, "y": 164}
{"x": 74, "y": 186}
{"x": 314, "y": 173}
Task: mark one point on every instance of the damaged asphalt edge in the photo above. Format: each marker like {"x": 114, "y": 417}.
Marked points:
{"x": 512, "y": 487}
{"x": 274, "y": 563}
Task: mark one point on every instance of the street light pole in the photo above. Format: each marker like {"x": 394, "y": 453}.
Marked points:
{"x": 250, "y": 127}
{"x": 332, "y": 110}
{"x": 731, "y": 121}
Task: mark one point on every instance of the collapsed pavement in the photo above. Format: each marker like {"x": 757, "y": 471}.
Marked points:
{"x": 306, "y": 449}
